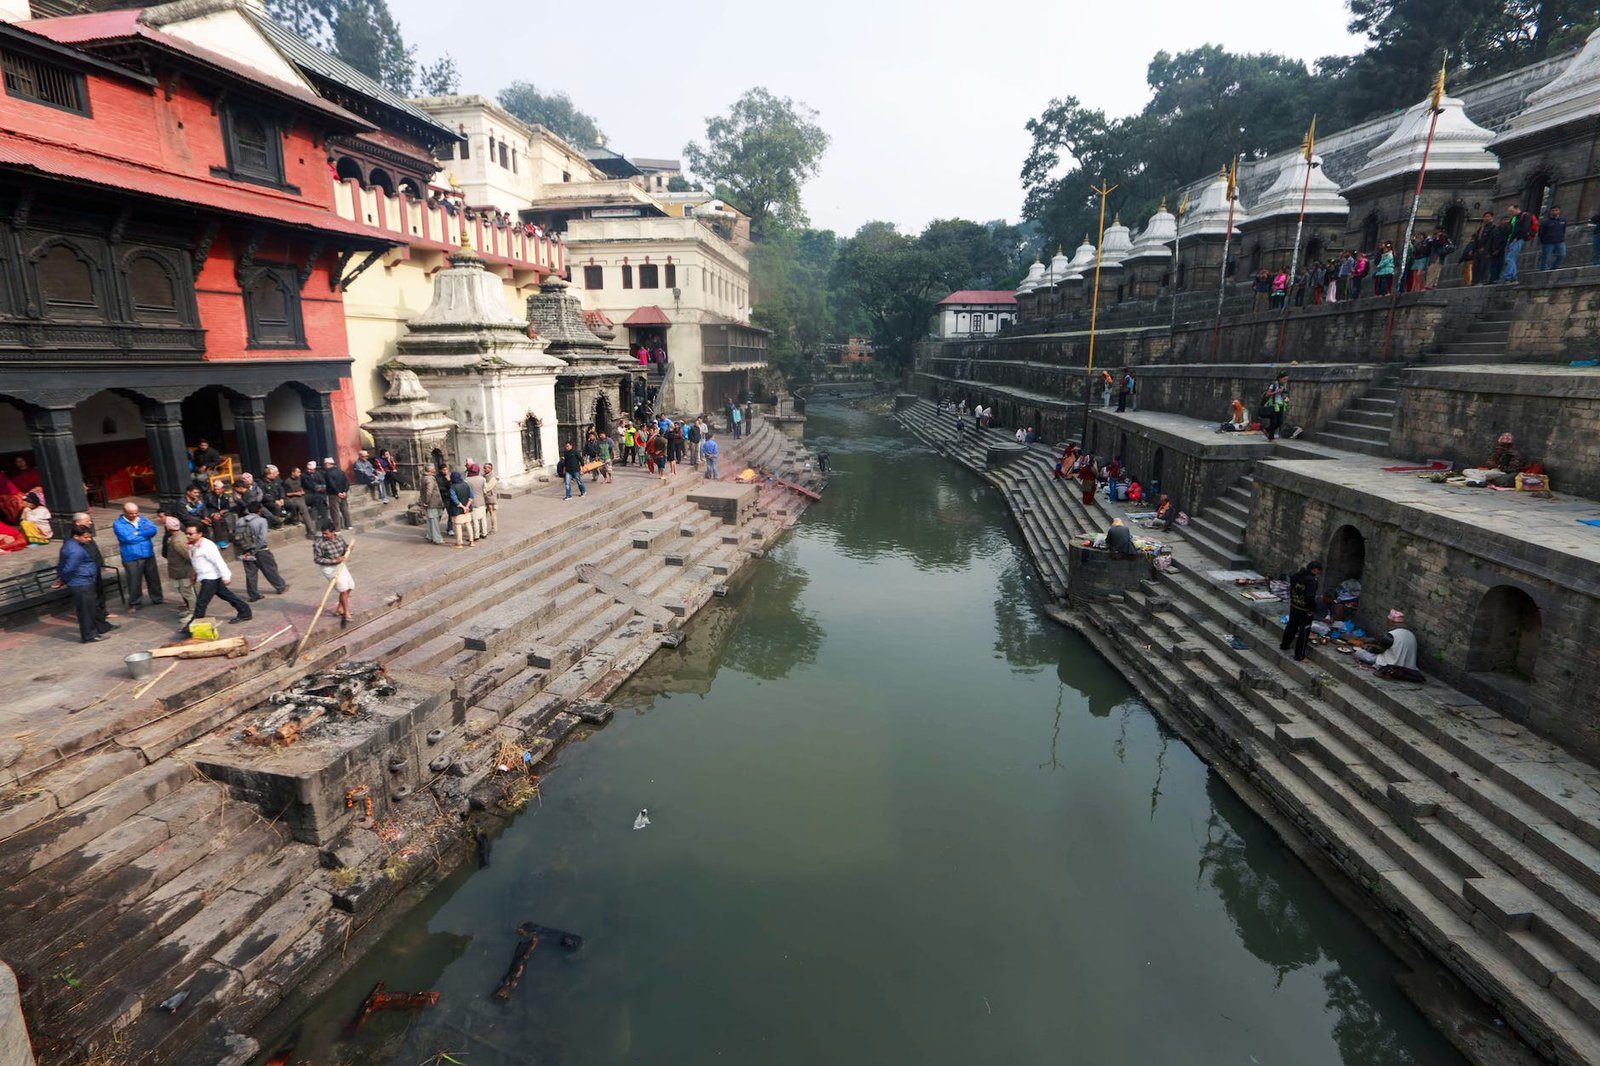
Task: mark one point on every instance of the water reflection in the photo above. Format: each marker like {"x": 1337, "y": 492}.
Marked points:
{"x": 759, "y": 628}
{"x": 1250, "y": 871}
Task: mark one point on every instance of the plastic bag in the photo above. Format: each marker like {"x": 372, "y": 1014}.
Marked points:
{"x": 641, "y": 820}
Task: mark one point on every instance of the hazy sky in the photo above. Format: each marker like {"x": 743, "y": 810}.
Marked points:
{"x": 925, "y": 101}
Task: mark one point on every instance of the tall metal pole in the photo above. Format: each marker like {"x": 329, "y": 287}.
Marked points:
{"x": 1294, "y": 257}
{"x": 1102, "y": 191}
{"x": 1222, "y": 272}
{"x": 1416, "y": 200}
{"x": 1177, "y": 257}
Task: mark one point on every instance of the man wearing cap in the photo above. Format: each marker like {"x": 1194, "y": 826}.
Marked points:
{"x": 1302, "y": 602}
{"x": 367, "y": 474}
{"x": 256, "y": 553}
{"x": 316, "y": 485}
{"x": 175, "y": 550}
{"x": 338, "y": 493}
{"x": 272, "y": 497}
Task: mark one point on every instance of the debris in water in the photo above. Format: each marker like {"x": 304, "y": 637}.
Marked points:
{"x": 378, "y": 999}
{"x": 643, "y": 818}
{"x": 482, "y": 840}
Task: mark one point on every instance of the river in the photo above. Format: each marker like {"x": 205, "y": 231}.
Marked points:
{"x": 897, "y": 816}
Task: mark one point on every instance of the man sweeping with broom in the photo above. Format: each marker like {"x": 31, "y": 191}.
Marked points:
{"x": 329, "y": 552}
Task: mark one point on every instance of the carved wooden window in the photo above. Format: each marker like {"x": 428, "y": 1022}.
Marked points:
{"x": 153, "y": 292}
{"x": 672, "y": 276}
{"x": 649, "y": 276}
{"x": 253, "y": 143}
{"x": 594, "y": 277}
{"x": 627, "y": 276}
{"x": 27, "y": 78}
{"x": 272, "y": 309}
{"x": 67, "y": 284}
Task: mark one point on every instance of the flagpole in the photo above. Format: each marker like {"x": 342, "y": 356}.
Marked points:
{"x": 1177, "y": 253}
{"x": 1094, "y": 308}
{"x": 1416, "y": 201}
{"x": 1294, "y": 257}
{"x": 1222, "y": 273}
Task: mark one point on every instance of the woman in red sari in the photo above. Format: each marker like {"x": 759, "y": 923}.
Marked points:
{"x": 1086, "y": 478}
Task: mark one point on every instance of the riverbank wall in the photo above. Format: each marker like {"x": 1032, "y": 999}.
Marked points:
{"x": 1463, "y": 838}
{"x": 162, "y": 853}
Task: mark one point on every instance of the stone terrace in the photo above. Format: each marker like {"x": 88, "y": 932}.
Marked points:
{"x": 129, "y": 871}
{"x": 1479, "y": 837}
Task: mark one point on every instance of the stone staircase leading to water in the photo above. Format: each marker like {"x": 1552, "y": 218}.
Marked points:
{"x": 129, "y": 876}
{"x": 1219, "y": 531}
{"x": 1479, "y": 838}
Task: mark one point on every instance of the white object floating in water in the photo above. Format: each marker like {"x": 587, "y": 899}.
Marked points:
{"x": 642, "y": 820}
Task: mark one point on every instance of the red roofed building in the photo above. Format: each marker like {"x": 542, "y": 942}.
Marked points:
{"x": 173, "y": 265}
{"x": 976, "y": 313}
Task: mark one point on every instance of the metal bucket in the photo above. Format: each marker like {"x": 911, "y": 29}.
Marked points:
{"x": 140, "y": 663}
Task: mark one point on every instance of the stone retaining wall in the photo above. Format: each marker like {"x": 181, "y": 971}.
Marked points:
{"x": 1193, "y": 474}
{"x": 1456, "y": 413}
{"x": 1441, "y": 571}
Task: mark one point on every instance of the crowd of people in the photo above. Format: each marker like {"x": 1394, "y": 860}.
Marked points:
{"x": 183, "y": 550}
{"x": 1491, "y": 255}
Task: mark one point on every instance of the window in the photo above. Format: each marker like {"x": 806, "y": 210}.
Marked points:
{"x": 67, "y": 284}
{"x": 649, "y": 276}
{"x": 593, "y": 278}
{"x": 465, "y": 147}
{"x": 151, "y": 291}
{"x": 29, "y": 79}
{"x": 513, "y": 160}
{"x": 672, "y": 275}
{"x": 627, "y": 276}
{"x": 505, "y": 156}
{"x": 254, "y": 148}
{"x": 566, "y": 176}
{"x": 491, "y": 148}
{"x": 272, "y": 309}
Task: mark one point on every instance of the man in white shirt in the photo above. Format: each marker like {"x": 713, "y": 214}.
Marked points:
{"x": 211, "y": 576}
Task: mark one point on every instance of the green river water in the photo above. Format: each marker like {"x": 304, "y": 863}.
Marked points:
{"x": 898, "y": 816}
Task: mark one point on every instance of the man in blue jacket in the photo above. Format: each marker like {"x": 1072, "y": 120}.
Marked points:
{"x": 135, "y": 537}
{"x": 77, "y": 572}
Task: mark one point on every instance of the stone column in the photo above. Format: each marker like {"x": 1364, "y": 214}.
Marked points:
{"x": 321, "y": 437}
{"x": 250, "y": 428}
{"x": 55, "y": 453}
{"x": 169, "y": 457}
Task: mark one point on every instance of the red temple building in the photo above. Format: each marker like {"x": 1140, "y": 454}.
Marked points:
{"x": 171, "y": 264}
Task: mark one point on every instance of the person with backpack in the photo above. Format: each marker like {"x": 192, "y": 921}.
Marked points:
{"x": 250, "y": 541}
{"x": 1552, "y": 240}
{"x": 1274, "y": 402}
{"x": 1126, "y": 392}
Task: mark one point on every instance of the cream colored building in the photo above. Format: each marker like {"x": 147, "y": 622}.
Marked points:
{"x": 676, "y": 280}
{"x": 504, "y": 162}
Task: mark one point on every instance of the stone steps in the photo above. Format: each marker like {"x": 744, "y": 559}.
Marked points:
{"x": 1330, "y": 775}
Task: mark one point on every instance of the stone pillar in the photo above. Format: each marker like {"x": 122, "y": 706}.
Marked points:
{"x": 55, "y": 454}
{"x": 321, "y": 437}
{"x": 169, "y": 457}
{"x": 250, "y": 429}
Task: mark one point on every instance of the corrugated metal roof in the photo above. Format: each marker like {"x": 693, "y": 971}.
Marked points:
{"x": 308, "y": 57}
{"x": 979, "y": 296}
{"x": 76, "y": 163}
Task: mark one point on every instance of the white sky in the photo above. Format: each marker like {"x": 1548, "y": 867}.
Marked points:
{"x": 925, "y": 101}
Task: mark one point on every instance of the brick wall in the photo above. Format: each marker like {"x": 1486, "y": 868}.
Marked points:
{"x": 1440, "y": 571}
{"x": 1457, "y": 413}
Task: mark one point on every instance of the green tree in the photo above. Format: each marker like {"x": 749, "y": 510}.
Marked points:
{"x": 1206, "y": 105}
{"x": 310, "y": 19}
{"x": 790, "y": 275}
{"x": 366, "y": 36}
{"x": 554, "y": 111}
{"x": 439, "y": 78}
{"x": 758, "y": 155}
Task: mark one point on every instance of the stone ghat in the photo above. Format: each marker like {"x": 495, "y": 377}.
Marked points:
{"x": 1476, "y": 837}
{"x": 179, "y": 859}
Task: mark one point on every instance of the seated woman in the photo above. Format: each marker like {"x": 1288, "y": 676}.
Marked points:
{"x": 12, "y": 503}
{"x": 1064, "y": 465}
{"x": 36, "y": 519}
{"x": 1346, "y": 599}
{"x": 1165, "y": 513}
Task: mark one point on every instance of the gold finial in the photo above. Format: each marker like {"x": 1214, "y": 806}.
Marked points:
{"x": 1086, "y": 236}
{"x": 1061, "y": 249}
{"x": 466, "y": 237}
{"x": 1116, "y": 219}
